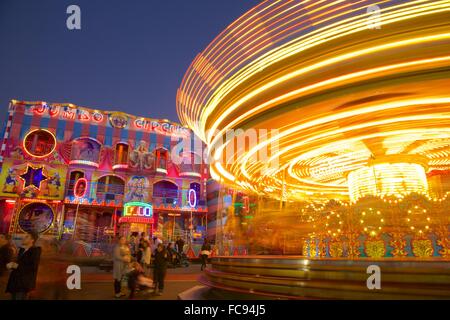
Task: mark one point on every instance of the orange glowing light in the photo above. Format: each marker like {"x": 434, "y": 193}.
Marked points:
{"x": 337, "y": 97}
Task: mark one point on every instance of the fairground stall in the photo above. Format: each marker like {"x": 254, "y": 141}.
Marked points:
{"x": 77, "y": 173}
{"x": 137, "y": 218}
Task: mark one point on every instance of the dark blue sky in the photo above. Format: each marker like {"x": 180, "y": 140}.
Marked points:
{"x": 129, "y": 55}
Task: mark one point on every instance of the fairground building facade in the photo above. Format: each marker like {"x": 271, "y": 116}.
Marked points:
{"x": 76, "y": 173}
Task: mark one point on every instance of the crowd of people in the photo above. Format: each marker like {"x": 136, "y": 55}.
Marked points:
{"x": 139, "y": 263}
{"x": 134, "y": 259}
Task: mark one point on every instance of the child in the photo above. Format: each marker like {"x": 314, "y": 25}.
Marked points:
{"x": 160, "y": 268}
{"x": 136, "y": 279}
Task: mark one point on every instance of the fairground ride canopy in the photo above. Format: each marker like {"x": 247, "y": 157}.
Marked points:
{"x": 345, "y": 98}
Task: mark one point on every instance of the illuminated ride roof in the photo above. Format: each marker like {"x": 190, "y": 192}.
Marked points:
{"x": 344, "y": 89}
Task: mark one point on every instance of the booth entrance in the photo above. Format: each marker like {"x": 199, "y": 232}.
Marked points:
{"x": 128, "y": 227}
{"x": 137, "y": 217}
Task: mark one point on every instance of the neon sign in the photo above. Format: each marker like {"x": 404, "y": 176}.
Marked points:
{"x": 138, "y": 209}
{"x": 36, "y": 147}
{"x": 67, "y": 112}
{"x": 33, "y": 177}
{"x": 192, "y": 198}
{"x": 118, "y": 120}
{"x": 80, "y": 188}
{"x": 160, "y": 127}
{"x": 246, "y": 206}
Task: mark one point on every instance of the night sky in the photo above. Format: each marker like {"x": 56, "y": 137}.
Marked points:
{"x": 129, "y": 55}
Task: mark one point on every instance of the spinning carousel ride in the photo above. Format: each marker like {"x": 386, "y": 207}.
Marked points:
{"x": 352, "y": 108}
{"x": 334, "y": 100}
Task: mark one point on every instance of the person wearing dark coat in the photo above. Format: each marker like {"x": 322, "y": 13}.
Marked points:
{"x": 23, "y": 276}
{"x": 204, "y": 253}
{"x": 6, "y": 256}
{"x": 6, "y": 253}
{"x": 180, "y": 245}
{"x": 159, "y": 272}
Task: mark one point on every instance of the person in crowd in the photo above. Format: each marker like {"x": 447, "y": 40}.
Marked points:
{"x": 52, "y": 273}
{"x": 121, "y": 259}
{"x": 144, "y": 236}
{"x": 153, "y": 247}
{"x": 22, "y": 279}
{"x": 205, "y": 253}
{"x": 6, "y": 256}
{"x": 170, "y": 252}
{"x": 140, "y": 251}
{"x": 160, "y": 269}
{"x": 180, "y": 245}
{"x": 134, "y": 244}
{"x": 146, "y": 258}
{"x": 137, "y": 279}
{"x": 154, "y": 244}
{"x": 156, "y": 241}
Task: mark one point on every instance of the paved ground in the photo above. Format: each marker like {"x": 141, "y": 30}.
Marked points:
{"x": 98, "y": 285}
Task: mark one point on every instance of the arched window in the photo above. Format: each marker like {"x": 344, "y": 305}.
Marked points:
{"x": 121, "y": 156}
{"x": 74, "y": 176}
{"x": 85, "y": 151}
{"x": 110, "y": 188}
{"x": 161, "y": 158}
{"x": 167, "y": 190}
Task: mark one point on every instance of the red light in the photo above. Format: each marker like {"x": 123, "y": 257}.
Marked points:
{"x": 80, "y": 188}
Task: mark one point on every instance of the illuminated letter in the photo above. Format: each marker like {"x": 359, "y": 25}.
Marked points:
{"x": 69, "y": 113}
{"x": 97, "y": 116}
{"x": 39, "y": 108}
{"x": 138, "y": 123}
{"x": 53, "y": 110}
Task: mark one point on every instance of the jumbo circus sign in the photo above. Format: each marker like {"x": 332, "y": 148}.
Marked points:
{"x": 66, "y": 112}
{"x": 118, "y": 120}
{"x": 161, "y": 127}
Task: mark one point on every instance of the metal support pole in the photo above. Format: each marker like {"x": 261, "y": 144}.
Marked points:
{"x": 173, "y": 228}
{"x": 191, "y": 226}
{"x": 61, "y": 221}
{"x": 16, "y": 214}
{"x": 75, "y": 221}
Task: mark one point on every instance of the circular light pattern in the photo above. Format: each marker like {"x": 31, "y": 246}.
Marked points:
{"x": 39, "y": 143}
{"x": 80, "y": 188}
{"x": 325, "y": 94}
{"x": 192, "y": 198}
